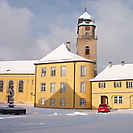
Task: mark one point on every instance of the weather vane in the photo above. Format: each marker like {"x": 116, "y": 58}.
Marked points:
{"x": 85, "y": 8}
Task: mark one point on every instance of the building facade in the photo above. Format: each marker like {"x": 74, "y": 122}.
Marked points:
{"x": 21, "y": 75}
{"x": 61, "y": 80}
{"x": 113, "y": 86}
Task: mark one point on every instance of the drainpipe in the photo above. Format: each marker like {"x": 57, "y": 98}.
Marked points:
{"x": 35, "y": 85}
{"x": 74, "y": 87}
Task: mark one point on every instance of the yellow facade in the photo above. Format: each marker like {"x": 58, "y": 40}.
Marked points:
{"x": 26, "y": 96}
{"x": 72, "y": 79}
{"x": 115, "y": 97}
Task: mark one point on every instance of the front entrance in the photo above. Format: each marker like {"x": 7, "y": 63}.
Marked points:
{"x": 104, "y": 99}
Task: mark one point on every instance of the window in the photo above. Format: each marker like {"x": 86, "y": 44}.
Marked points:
{"x": 87, "y": 34}
{"x": 52, "y": 87}
{"x": 43, "y": 87}
{"x": 82, "y": 101}
{"x": 118, "y": 99}
{"x": 87, "y": 50}
{"x": 62, "y": 101}
{"x": 52, "y": 101}
{"x": 63, "y": 71}
{"x": 129, "y": 84}
{"x": 101, "y": 85}
{"x": 21, "y": 86}
{"x": 82, "y": 70}
{"x": 82, "y": 87}
{"x": 43, "y": 72}
{"x": 10, "y": 83}
{"x": 42, "y": 101}
{"x": 53, "y": 71}
{"x": 1, "y": 85}
{"x": 117, "y": 84}
{"x": 62, "y": 87}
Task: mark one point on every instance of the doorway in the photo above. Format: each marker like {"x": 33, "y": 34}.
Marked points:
{"x": 104, "y": 99}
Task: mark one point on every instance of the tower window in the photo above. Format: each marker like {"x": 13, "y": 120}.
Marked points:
{"x": 87, "y": 50}
{"x": 87, "y": 34}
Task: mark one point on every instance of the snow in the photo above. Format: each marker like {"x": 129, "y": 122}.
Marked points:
{"x": 51, "y": 120}
{"x": 116, "y": 72}
{"x": 86, "y": 16}
{"x": 61, "y": 54}
{"x": 17, "y": 67}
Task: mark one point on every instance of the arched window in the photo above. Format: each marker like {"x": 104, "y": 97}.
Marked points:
{"x": 10, "y": 83}
{"x": 87, "y": 50}
{"x": 1, "y": 85}
{"x": 21, "y": 86}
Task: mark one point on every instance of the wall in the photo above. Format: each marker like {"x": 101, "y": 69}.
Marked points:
{"x": 110, "y": 91}
{"x": 72, "y": 80}
{"x": 24, "y": 97}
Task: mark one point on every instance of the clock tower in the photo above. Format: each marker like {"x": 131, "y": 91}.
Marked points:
{"x": 86, "y": 39}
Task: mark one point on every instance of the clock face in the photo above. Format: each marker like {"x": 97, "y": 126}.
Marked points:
{"x": 87, "y": 28}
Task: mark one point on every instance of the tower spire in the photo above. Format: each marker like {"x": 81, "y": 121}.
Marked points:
{"x": 85, "y": 8}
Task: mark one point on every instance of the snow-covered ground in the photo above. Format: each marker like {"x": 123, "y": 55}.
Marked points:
{"x": 46, "y": 120}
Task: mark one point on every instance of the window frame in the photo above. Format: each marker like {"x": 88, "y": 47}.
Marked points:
{"x": 83, "y": 70}
{"x": 62, "y": 87}
{"x": 43, "y": 87}
{"x": 43, "y": 71}
{"x": 101, "y": 84}
{"x": 52, "y": 101}
{"x": 118, "y": 99}
{"x": 62, "y": 101}
{"x": 129, "y": 84}
{"x": 87, "y": 50}
{"x": 82, "y": 102}
{"x": 1, "y": 85}
{"x": 21, "y": 88}
{"x": 117, "y": 84}
{"x": 82, "y": 86}
{"x": 53, "y": 71}
{"x": 52, "y": 87}
{"x": 10, "y": 83}
{"x": 63, "y": 71}
{"x": 42, "y": 101}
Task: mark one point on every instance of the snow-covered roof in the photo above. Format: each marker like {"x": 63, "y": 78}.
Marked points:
{"x": 86, "y": 15}
{"x": 17, "y": 67}
{"x": 116, "y": 72}
{"x": 86, "y": 19}
{"x": 61, "y": 54}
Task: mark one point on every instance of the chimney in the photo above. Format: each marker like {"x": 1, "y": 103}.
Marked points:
{"x": 122, "y": 63}
{"x": 110, "y": 64}
{"x": 68, "y": 45}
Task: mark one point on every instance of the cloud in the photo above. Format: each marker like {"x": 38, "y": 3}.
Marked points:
{"x": 114, "y": 29}
{"x": 16, "y": 40}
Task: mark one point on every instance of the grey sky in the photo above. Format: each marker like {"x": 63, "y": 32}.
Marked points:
{"x": 30, "y": 29}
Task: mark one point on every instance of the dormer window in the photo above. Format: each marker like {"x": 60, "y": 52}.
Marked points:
{"x": 87, "y": 50}
{"x": 87, "y": 21}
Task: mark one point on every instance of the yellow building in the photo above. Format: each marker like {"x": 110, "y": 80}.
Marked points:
{"x": 114, "y": 86}
{"x": 21, "y": 75}
{"x": 61, "y": 80}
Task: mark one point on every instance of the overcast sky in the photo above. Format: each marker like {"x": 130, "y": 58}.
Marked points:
{"x": 30, "y": 29}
